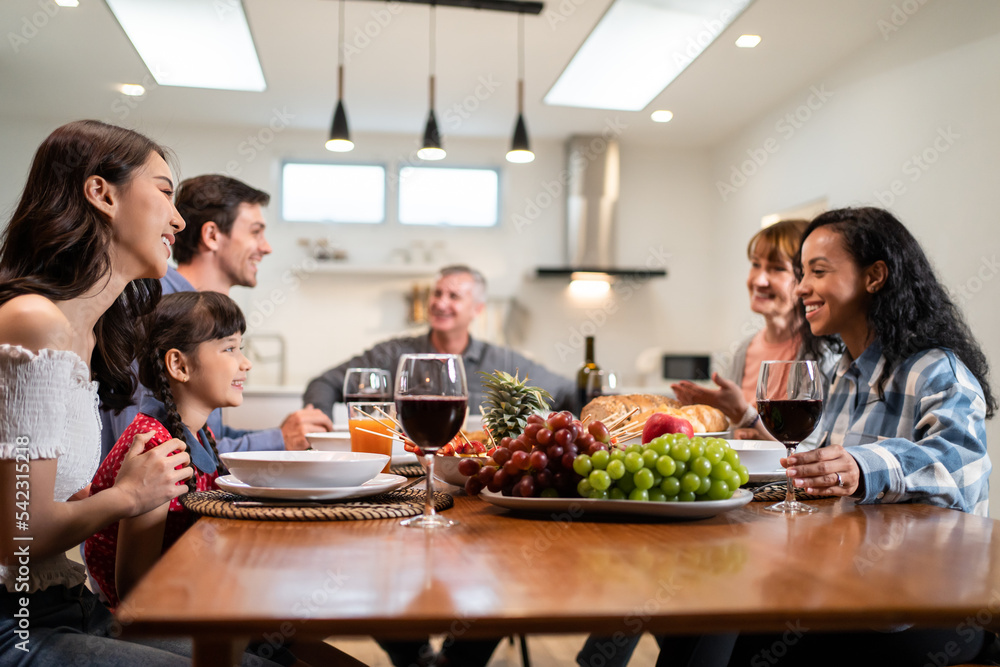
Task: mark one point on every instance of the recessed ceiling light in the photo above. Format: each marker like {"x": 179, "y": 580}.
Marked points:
{"x": 217, "y": 50}
{"x": 132, "y": 89}
{"x": 662, "y": 116}
{"x": 68, "y": 3}
{"x": 637, "y": 49}
{"x": 747, "y": 41}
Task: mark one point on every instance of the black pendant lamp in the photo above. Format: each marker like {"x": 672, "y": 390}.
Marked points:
{"x": 340, "y": 136}
{"x": 430, "y": 148}
{"x": 520, "y": 151}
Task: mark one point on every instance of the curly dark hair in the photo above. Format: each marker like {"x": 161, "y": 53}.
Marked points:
{"x": 210, "y": 198}
{"x": 181, "y": 321}
{"x": 912, "y": 311}
{"x": 59, "y": 246}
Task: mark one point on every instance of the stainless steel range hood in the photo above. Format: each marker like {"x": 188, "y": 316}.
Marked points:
{"x": 592, "y": 211}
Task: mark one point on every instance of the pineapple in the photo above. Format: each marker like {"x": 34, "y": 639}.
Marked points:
{"x": 509, "y": 402}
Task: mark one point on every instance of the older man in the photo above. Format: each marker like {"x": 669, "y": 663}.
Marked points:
{"x": 219, "y": 249}
{"x": 459, "y": 296}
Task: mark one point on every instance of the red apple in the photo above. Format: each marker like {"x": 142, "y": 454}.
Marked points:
{"x": 660, "y": 423}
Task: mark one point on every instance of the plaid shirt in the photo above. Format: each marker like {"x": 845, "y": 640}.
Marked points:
{"x": 926, "y": 442}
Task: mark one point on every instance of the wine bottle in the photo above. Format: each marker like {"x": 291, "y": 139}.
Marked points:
{"x": 588, "y": 367}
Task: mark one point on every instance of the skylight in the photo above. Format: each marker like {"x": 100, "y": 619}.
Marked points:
{"x": 193, "y": 43}
{"x": 638, "y": 48}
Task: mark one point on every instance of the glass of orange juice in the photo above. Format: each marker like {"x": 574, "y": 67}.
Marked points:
{"x": 371, "y": 430}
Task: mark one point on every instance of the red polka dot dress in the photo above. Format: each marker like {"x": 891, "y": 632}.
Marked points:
{"x": 101, "y": 548}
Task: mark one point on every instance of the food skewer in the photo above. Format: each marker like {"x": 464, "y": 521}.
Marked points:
{"x": 388, "y": 416}
{"x": 619, "y": 420}
{"x": 385, "y": 435}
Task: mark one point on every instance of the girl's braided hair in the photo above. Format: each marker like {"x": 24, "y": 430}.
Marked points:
{"x": 182, "y": 321}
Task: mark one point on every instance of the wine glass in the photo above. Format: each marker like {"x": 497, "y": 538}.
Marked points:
{"x": 431, "y": 401}
{"x": 600, "y": 383}
{"x": 367, "y": 385}
{"x": 789, "y": 401}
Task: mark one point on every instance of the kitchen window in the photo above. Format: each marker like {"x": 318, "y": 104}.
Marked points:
{"x": 449, "y": 196}
{"x": 352, "y": 193}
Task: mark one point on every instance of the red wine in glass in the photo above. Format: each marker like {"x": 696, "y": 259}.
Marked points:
{"x": 790, "y": 421}
{"x": 789, "y": 402}
{"x": 431, "y": 421}
{"x": 431, "y": 399}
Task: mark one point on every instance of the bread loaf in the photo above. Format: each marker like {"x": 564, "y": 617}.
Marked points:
{"x": 703, "y": 418}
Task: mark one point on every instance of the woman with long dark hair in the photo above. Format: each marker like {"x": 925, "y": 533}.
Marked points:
{"x": 78, "y": 268}
{"x": 905, "y": 419}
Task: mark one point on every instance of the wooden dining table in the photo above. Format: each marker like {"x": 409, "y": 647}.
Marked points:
{"x": 845, "y": 567}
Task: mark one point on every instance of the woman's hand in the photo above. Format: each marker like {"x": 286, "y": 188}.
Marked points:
{"x": 728, "y": 397}
{"x": 149, "y": 479}
{"x": 828, "y": 471}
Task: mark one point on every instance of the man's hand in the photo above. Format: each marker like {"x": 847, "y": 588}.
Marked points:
{"x": 728, "y": 397}
{"x": 297, "y": 424}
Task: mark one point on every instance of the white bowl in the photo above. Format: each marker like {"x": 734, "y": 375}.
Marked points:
{"x": 304, "y": 469}
{"x": 337, "y": 441}
{"x": 759, "y": 456}
{"x": 446, "y": 468}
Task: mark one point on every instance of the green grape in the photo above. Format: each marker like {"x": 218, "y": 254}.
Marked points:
{"x": 657, "y": 478}
{"x": 671, "y": 499}
{"x": 584, "y": 488}
{"x": 649, "y": 458}
{"x": 656, "y": 495}
{"x": 626, "y": 484}
{"x": 706, "y": 484}
{"x": 733, "y": 481}
{"x": 721, "y": 442}
{"x": 732, "y": 456}
{"x": 582, "y": 465}
{"x": 600, "y": 459}
{"x": 597, "y": 495}
{"x": 690, "y": 482}
{"x": 744, "y": 474}
{"x": 665, "y": 465}
{"x": 659, "y": 445}
{"x": 670, "y": 486}
{"x": 686, "y": 497}
{"x": 721, "y": 470}
{"x": 617, "y": 494}
{"x": 696, "y": 440}
{"x": 634, "y": 447}
{"x": 682, "y": 467}
{"x": 633, "y": 462}
{"x": 616, "y": 469}
{"x": 639, "y": 494}
{"x": 714, "y": 453}
{"x": 697, "y": 448}
{"x": 643, "y": 479}
{"x": 549, "y": 493}
{"x": 600, "y": 480}
{"x": 617, "y": 455}
{"x": 680, "y": 452}
{"x": 701, "y": 466}
{"x": 720, "y": 490}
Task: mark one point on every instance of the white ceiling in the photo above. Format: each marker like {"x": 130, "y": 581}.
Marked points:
{"x": 71, "y": 65}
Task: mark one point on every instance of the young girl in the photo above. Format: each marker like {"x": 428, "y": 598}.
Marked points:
{"x": 78, "y": 267}
{"x": 191, "y": 360}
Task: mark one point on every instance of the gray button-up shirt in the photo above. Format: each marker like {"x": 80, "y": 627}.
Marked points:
{"x": 328, "y": 388}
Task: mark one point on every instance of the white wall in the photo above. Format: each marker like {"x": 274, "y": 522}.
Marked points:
{"x": 930, "y": 87}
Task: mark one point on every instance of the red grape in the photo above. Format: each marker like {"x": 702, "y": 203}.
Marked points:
{"x": 506, "y": 440}
{"x": 536, "y": 419}
{"x": 599, "y": 431}
{"x": 538, "y": 459}
{"x": 501, "y": 455}
{"x": 526, "y": 487}
{"x": 558, "y": 420}
{"x": 585, "y": 441}
{"x": 556, "y": 451}
{"x": 530, "y": 431}
{"x": 473, "y": 486}
{"x": 596, "y": 447}
{"x": 520, "y": 459}
{"x": 567, "y": 461}
{"x": 499, "y": 481}
{"x": 469, "y": 467}
{"x": 511, "y": 468}
{"x": 544, "y": 436}
{"x": 564, "y": 436}
{"x": 486, "y": 474}
{"x": 544, "y": 479}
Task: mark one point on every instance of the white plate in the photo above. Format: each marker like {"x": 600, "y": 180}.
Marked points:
{"x": 383, "y": 482}
{"x": 699, "y": 509}
{"x": 307, "y": 469}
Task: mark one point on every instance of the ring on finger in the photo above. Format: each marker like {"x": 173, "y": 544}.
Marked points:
{"x": 840, "y": 480}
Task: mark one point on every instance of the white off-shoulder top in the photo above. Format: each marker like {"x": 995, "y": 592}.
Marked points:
{"x": 49, "y": 408}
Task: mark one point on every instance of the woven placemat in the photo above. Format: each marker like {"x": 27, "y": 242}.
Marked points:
{"x": 775, "y": 492}
{"x": 411, "y": 470}
{"x": 391, "y": 505}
